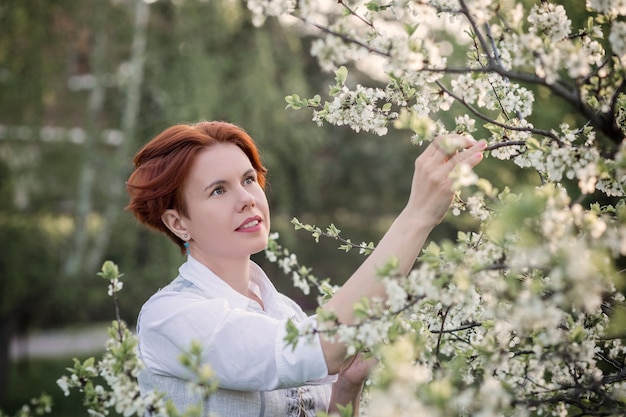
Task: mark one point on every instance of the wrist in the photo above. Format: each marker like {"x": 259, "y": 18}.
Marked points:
{"x": 347, "y": 385}
{"x": 414, "y": 222}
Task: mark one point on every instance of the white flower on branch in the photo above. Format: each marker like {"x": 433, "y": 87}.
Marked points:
{"x": 609, "y": 7}
{"x": 550, "y": 20}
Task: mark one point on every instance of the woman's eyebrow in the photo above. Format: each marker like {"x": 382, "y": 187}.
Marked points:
{"x": 219, "y": 182}
{"x": 213, "y": 184}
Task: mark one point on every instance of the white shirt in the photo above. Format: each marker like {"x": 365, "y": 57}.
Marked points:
{"x": 243, "y": 344}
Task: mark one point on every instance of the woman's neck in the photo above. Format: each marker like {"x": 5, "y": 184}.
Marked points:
{"x": 234, "y": 272}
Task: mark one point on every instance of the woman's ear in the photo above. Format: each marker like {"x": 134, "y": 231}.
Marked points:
{"x": 173, "y": 220}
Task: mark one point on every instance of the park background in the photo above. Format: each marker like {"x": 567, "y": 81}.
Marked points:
{"x": 83, "y": 84}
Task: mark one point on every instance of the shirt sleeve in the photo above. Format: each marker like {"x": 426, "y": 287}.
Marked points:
{"x": 246, "y": 349}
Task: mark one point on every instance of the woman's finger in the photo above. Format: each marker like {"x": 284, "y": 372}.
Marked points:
{"x": 446, "y": 146}
{"x": 472, "y": 155}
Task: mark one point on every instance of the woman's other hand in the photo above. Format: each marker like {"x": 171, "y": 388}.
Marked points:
{"x": 349, "y": 385}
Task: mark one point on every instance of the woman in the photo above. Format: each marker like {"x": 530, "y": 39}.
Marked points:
{"x": 203, "y": 186}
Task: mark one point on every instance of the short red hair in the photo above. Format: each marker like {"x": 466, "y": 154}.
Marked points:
{"x": 163, "y": 164}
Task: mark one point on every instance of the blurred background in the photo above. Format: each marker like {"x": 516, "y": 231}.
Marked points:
{"x": 83, "y": 84}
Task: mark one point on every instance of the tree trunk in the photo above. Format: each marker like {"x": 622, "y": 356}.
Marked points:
{"x": 119, "y": 169}
{"x": 7, "y": 329}
{"x": 84, "y": 198}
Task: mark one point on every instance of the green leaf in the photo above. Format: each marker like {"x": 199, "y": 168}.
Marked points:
{"x": 324, "y": 315}
{"x": 578, "y": 334}
{"x": 292, "y": 334}
{"x": 533, "y": 143}
{"x": 345, "y": 247}
{"x": 389, "y": 267}
{"x": 109, "y": 271}
{"x": 292, "y": 100}
{"x": 315, "y": 101}
{"x": 332, "y": 230}
{"x": 431, "y": 254}
{"x": 372, "y": 6}
{"x": 297, "y": 224}
{"x": 295, "y": 102}
{"x": 334, "y": 90}
{"x": 345, "y": 411}
{"x": 361, "y": 308}
{"x": 341, "y": 75}
{"x": 395, "y": 331}
{"x": 410, "y": 29}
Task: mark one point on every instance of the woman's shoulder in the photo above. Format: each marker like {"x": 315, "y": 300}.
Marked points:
{"x": 179, "y": 292}
{"x": 182, "y": 285}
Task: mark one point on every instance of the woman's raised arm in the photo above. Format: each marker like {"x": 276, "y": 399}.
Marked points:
{"x": 430, "y": 197}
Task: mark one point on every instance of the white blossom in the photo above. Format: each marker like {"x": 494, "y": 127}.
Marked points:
{"x": 609, "y": 7}
{"x": 617, "y": 38}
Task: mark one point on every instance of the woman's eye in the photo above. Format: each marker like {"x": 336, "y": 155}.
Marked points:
{"x": 218, "y": 191}
{"x": 249, "y": 180}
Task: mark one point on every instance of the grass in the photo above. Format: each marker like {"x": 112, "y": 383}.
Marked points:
{"x": 30, "y": 378}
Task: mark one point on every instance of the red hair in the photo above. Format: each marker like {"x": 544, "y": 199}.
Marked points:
{"x": 163, "y": 164}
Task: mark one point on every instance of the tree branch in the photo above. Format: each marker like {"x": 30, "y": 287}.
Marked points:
{"x": 354, "y": 13}
{"x": 504, "y": 144}
{"x": 495, "y": 122}
{"x": 456, "y": 329}
{"x": 483, "y": 43}
{"x": 605, "y": 122}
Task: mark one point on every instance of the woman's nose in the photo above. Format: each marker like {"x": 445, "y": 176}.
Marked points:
{"x": 246, "y": 199}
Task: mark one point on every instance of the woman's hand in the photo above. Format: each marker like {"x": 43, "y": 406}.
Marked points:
{"x": 431, "y": 189}
{"x": 349, "y": 385}
{"x": 357, "y": 370}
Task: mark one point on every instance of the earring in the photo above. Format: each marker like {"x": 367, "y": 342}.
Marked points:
{"x": 186, "y": 243}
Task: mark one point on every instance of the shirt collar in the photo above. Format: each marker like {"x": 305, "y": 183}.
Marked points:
{"x": 210, "y": 283}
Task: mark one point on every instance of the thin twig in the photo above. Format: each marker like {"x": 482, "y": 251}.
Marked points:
{"x": 440, "y": 334}
{"x": 479, "y": 35}
{"x": 354, "y": 13}
{"x": 507, "y": 143}
{"x": 456, "y": 329}
{"x": 345, "y": 38}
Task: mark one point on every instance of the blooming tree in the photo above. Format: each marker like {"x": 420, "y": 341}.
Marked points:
{"x": 525, "y": 315}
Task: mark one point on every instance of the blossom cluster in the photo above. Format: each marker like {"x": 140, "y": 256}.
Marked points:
{"x": 510, "y": 328}
{"x": 506, "y": 47}
{"x": 111, "y": 383}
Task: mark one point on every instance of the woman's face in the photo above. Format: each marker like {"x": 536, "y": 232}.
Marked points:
{"x": 228, "y": 210}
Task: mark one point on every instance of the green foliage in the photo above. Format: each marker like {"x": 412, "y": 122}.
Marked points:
{"x": 27, "y": 264}
{"x": 38, "y": 406}
{"x": 333, "y": 233}
{"x": 293, "y": 334}
{"x": 344, "y": 411}
{"x": 110, "y": 271}
{"x": 295, "y": 102}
